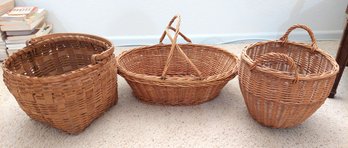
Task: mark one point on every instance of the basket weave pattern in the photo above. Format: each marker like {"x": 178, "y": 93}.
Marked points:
{"x": 65, "y": 80}
{"x": 282, "y": 82}
{"x": 177, "y": 74}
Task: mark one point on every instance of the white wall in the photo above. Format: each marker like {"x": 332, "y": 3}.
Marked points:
{"x": 205, "y": 21}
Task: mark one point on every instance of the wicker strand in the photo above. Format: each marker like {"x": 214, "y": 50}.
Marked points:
{"x": 285, "y": 37}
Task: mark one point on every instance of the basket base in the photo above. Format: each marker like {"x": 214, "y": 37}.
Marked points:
{"x": 262, "y": 123}
{"x": 275, "y": 114}
{"x": 76, "y": 132}
{"x": 285, "y": 116}
{"x": 71, "y": 131}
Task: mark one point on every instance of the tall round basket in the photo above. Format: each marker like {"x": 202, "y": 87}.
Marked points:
{"x": 282, "y": 82}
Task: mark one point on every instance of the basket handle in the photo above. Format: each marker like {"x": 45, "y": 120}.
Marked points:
{"x": 175, "y": 46}
{"x": 172, "y": 28}
{"x": 285, "y": 37}
{"x": 95, "y": 58}
{"x": 277, "y": 57}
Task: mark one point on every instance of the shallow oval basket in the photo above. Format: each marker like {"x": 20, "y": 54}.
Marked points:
{"x": 177, "y": 74}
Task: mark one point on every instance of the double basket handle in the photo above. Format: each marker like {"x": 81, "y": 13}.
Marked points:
{"x": 277, "y": 57}
{"x": 175, "y": 46}
{"x": 285, "y": 37}
{"x": 172, "y": 28}
{"x": 95, "y": 58}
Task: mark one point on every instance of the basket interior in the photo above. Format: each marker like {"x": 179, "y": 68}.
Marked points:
{"x": 151, "y": 61}
{"x": 51, "y": 58}
{"x": 308, "y": 63}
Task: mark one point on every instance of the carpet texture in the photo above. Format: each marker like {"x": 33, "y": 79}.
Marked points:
{"x": 223, "y": 122}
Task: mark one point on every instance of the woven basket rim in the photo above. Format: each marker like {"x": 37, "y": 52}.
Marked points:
{"x": 285, "y": 75}
{"x": 123, "y": 70}
{"x": 61, "y": 77}
{"x": 72, "y": 34}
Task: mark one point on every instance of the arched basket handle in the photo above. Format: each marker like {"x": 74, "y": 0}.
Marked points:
{"x": 173, "y": 29}
{"x": 285, "y": 37}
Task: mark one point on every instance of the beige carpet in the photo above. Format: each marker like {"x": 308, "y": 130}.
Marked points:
{"x": 223, "y": 122}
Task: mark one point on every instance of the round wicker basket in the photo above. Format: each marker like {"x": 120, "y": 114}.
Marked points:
{"x": 66, "y": 80}
{"x": 177, "y": 74}
{"x": 283, "y": 83}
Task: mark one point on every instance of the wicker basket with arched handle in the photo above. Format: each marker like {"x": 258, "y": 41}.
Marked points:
{"x": 177, "y": 74}
{"x": 66, "y": 80}
{"x": 283, "y": 83}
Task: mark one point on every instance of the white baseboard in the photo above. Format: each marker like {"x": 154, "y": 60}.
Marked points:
{"x": 226, "y": 38}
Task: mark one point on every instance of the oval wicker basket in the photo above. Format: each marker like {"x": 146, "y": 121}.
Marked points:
{"x": 177, "y": 74}
{"x": 66, "y": 80}
{"x": 283, "y": 83}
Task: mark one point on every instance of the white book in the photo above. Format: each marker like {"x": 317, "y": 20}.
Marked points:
{"x": 3, "y": 54}
{"x": 22, "y": 27}
{"x": 45, "y": 29}
{"x": 37, "y": 15}
{"x": 6, "y": 5}
{"x": 15, "y": 42}
{"x": 15, "y": 46}
{"x": 3, "y": 57}
{"x": 25, "y": 32}
{"x": 18, "y": 13}
{"x": 23, "y": 10}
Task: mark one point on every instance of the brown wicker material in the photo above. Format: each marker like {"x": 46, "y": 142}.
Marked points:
{"x": 177, "y": 74}
{"x": 66, "y": 80}
{"x": 283, "y": 83}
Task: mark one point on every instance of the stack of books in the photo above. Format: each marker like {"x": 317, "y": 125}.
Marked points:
{"x": 21, "y": 24}
{"x": 5, "y": 6}
{"x": 3, "y": 48}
